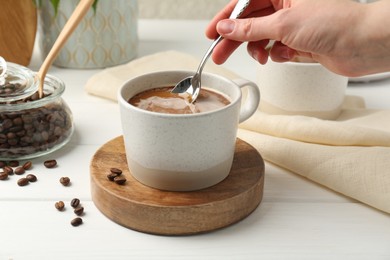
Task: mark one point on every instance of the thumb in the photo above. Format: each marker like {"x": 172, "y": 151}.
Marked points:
{"x": 248, "y": 30}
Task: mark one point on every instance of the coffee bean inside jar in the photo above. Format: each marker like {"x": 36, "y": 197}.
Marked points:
{"x": 31, "y": 127}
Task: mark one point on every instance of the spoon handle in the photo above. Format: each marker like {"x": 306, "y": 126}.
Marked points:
{"x": 239, "y": 8}
{"x": 208, "y": 54}
{"x": 237, "y": 11}
{"x": 68, "y": 29}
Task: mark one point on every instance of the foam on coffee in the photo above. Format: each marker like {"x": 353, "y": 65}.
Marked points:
{"x": 163, "y": 101}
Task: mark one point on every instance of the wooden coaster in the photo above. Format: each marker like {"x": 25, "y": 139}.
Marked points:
{"x": 150, "y": 210}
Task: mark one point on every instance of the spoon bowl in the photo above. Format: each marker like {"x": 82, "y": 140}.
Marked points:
{"x": 192, "y": 85}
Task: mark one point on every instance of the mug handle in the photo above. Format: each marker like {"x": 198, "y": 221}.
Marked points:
{"x": 252, "y": 100}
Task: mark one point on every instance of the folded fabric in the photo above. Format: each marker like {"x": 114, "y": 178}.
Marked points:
{"x": 350, "y": 155}
{"x": 355, "y": 126}
{"x": 358, "y": 172}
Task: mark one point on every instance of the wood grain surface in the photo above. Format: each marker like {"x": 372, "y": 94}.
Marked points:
{"x": 150, "y": 210}
{"x": 18, "y": 26}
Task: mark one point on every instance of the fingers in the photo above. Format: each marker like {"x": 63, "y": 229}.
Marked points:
{"x": 223, "y": 50}
{"x": 258, "y": 51}
{"x": 257, "y": 41}
{"x": 281, "y": 53}
{"x": 211, "y": 33}
{"x": 249, "y": 29}
{"x": 227, "y": 46}
{"x": 255, "y": 9}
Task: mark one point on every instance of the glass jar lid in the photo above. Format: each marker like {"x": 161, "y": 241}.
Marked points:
{"x": 16, "y": 82}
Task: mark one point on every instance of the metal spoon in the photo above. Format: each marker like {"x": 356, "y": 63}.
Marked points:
{"x": 68, "y": 29}
{"x": 191, "y": 85}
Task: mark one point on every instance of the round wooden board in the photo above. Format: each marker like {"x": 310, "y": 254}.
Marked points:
{"x": 154, "y": 211}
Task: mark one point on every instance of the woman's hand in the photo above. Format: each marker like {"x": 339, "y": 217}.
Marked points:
{"x": 348, "y": 38}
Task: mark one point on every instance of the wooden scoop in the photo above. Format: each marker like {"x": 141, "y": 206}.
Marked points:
{"x": 68, "y": 29}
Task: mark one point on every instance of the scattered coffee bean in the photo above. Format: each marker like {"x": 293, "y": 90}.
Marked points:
{"x": 3, "y": 164}
{"x": 31, "y": 177}
{"x": 79, "y": 211}
{"x": 120, "y": 180}
{"x": 60, "y": 205}
{"x": 50, "y": 163}
{"x": 19, "y": 170}
{"x": 27, "y": 165}
{"x": 76, "y": 222}
{"x": 13, "y": 163}
{"x": 75, "y": 203}
{"x": 8, "y": 170}
{"x": 116, "y": 171}
{"x": 65, "y": 181}
{"x": 3, "y": 176}
{"x": 23, "y": 181}
{"x": 111, "y": 176}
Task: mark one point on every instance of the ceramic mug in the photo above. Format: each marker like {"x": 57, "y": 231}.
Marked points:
{"x": 301, "y": 88}
{"x": 183, "y": 152}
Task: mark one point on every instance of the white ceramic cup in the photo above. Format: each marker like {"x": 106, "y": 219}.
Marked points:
{"x": 183, "y": 152}
{"x": 300, "y": 88}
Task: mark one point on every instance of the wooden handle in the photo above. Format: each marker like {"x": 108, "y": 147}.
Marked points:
{"x": 68, "y": 29}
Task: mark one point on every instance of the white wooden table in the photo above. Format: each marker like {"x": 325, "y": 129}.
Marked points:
{"x": 297, "y": 219}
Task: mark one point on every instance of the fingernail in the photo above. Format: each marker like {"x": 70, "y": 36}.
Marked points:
{"x": 225, "y": 26}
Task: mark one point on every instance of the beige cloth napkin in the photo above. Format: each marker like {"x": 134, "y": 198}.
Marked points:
{"x": 350, "y": 155}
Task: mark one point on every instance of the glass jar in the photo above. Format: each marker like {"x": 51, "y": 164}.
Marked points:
{"x": 31, "y": 126}
{"x": 16, "y": 82}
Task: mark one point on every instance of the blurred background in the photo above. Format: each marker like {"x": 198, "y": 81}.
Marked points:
{"x": 181, "y": 9}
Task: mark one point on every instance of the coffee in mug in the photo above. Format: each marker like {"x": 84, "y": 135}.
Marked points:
{"x": 162, "y": 100}
{"x": 183, "y": 152}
